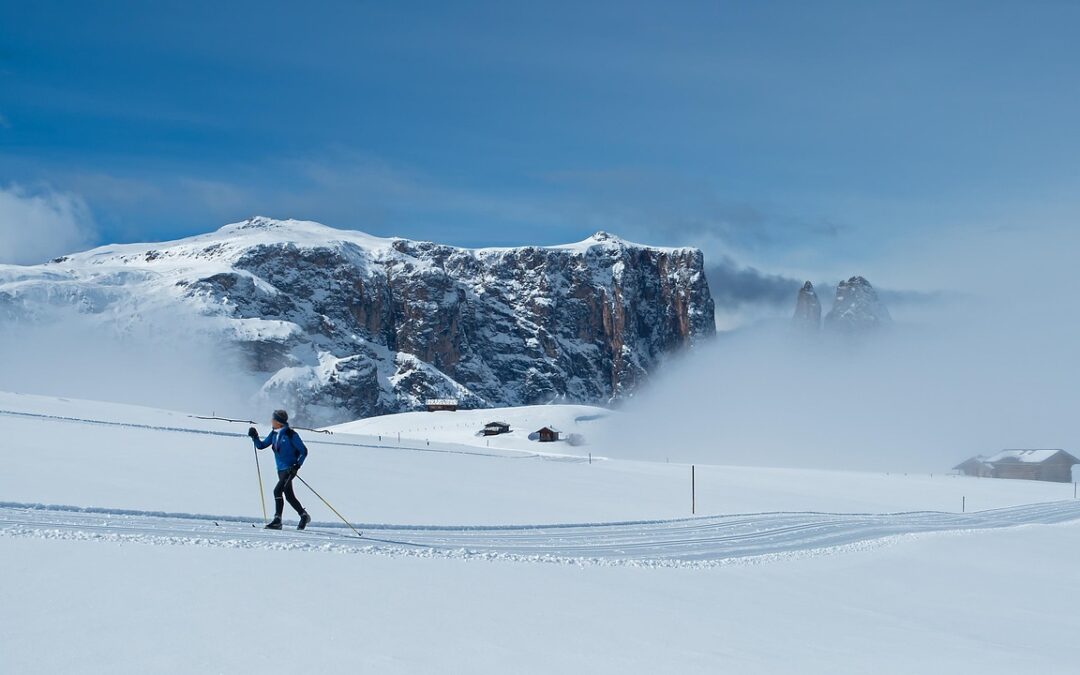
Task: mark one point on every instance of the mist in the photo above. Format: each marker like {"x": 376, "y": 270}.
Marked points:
{"x": 173, "y": 365}
{"x": 991, "y": 363}
{"x": 37, "y": 225}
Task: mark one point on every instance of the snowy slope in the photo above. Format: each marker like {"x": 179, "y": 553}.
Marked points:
{"x": 579, "y": 426}
{"x": 112, "y": 584}
{"x": 936, "y": 604}
{"x": 114, "y": 456}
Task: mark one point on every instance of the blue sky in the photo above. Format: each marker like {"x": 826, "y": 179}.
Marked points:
{"x": 801, "y": 138}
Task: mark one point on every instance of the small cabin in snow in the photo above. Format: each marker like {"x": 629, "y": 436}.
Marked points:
{"x": 496, "y": 428}
{"x": 976, "y": 466}
{"x": 436, "y": 404}
{"x": 548, "y": 435}
{"x": 1053, "y": 465}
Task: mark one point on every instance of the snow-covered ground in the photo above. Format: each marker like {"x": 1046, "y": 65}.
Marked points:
{"x": 578, "y": 425}
{"x": 116, "y": 456}
{"x": 992, "y": 602}
{"x": 581, "y": 567}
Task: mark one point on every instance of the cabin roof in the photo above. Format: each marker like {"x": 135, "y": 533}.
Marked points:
{"x": 1035, "y": 456}
{"x": 496, "y": 424}
{"x": 979, "y": 459}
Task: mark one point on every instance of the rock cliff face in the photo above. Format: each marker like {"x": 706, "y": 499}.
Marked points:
{"x": 344, "y": 325}
{"x": 807, "y": 310}
{"x": 857, "y": 308}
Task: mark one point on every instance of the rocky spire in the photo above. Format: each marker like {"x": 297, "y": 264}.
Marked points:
{"x": 857, "y": 308}
{"x": 807, "y": 309}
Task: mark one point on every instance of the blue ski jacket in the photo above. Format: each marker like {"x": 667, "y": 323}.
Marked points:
{"x": 289, "y": 450}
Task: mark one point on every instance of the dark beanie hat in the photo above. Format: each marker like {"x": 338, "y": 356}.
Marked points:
{"x": 281, "y": 416}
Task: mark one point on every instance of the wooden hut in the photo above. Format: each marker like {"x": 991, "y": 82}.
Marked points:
{"x": 436, "y": 404}
{"x": 548, "y": 435}
{"x": 1042, "y": 464}
{"x": 976, "y": 466}
{"x": 496, "y": 428}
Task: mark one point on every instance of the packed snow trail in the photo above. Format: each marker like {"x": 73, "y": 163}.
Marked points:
{"x": 692, "y": 541}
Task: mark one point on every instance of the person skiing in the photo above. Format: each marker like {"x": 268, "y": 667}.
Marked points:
{"x": 289, "y": 454}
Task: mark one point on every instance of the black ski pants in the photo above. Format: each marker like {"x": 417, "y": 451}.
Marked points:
{"x": 284, "y": 487}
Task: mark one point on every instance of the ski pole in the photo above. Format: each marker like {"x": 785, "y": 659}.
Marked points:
{"x": 262, "y": 497}
{"x": 328, "y": 505}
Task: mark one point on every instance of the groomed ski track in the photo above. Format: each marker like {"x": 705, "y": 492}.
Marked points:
{"x": 693, "y": 542}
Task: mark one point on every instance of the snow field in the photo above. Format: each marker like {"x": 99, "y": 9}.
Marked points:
{"x": 935, "y": 604}
{"x": 175, "y": 463}
{"x": 758, "y": 585}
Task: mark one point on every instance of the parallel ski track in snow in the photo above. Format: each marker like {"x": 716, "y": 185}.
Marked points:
{"x": 701, "y": 541}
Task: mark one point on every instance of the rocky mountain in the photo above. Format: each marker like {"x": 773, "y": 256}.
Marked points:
{"x": 807, "y": 309}
{"x": 857, "y": 308}
{"x": 339, "y": 324}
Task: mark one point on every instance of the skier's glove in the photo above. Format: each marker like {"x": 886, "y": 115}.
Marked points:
{"x": 253, "y": 432}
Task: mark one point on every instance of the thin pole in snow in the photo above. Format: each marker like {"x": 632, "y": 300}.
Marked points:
{"x": 693, "y": 491}
{"x": 590, "y": 460}
{"x": 323, "y": 500}
{"x": 262, "y": 497}
{"x": 963, "y": 505}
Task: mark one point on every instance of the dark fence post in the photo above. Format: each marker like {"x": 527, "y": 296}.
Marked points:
{"x": 693, "y": 491}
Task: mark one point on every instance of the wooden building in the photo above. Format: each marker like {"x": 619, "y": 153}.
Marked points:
{"x": 548, "y": 435}
{"x": 435, "y": 404}
{"x": 496, "y": 428}
{"x": 1038, "y": 464}
{"x": 976, "y": 466}
{"x": 1049, "y": 464}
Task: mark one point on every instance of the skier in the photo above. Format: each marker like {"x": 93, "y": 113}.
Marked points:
{"x": 289, "y": 454}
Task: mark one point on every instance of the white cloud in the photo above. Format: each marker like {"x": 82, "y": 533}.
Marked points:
{"x": 994, "y": 367}
{"x": 37, "y": 226}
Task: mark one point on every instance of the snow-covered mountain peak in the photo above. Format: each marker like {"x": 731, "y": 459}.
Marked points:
{"x": 264, "y": 230}
{"x": 340, "y": 324}
{"x": 605, "y": 236}
{"x": 266, "y": 223}
{"x": 607, "y": 241}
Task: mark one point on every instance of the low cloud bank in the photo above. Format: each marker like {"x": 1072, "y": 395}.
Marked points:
{"x": 76, "y": 356}
{"x": 995, "y": 367}
{"x": 37, "y": 226}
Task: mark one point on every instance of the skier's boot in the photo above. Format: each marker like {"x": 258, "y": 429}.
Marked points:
{"x": 304, "y": 520}
{"x": 274, "y": 524}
